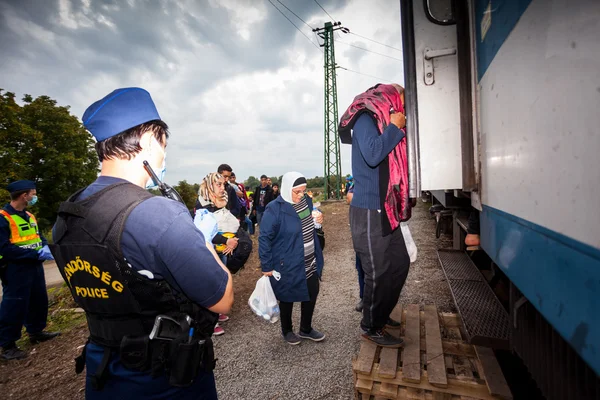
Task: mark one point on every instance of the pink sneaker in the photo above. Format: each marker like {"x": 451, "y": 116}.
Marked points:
{"x": 218, "y": 331}
{"x": 223, "y": 318}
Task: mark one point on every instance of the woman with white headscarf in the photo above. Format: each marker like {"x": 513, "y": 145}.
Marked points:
{"x": 291, "y": 255}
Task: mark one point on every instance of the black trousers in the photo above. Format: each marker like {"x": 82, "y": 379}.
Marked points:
{"x": 385, "y": 263}
{"x": 24, "y": 301}
{"x": 306, "y": 311}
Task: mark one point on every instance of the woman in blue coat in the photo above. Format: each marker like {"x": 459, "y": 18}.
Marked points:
{"x": 291, "y": 255}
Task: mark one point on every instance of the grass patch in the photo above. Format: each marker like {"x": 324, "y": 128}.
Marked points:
{"x": 61, "y": 314}
{"x": 48, "y": 235}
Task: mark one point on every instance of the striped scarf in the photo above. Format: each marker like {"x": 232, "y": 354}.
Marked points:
{"x": 308, "y": 229}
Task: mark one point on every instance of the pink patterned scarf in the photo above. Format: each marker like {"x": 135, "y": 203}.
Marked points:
{"x": 379, "y": 101}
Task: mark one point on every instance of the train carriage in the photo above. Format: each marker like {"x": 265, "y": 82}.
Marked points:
{"x": 503, "y": 101}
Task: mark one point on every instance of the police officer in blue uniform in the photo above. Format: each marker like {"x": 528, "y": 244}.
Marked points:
{"x": 148, "y": 281}
{"x": 23, "y": 249}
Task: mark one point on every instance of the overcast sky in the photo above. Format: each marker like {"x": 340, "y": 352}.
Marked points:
{"x": 235, "y": 81}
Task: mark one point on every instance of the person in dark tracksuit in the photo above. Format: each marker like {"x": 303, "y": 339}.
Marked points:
{"x": 233, "y": 204}
{"x": 384, "y": 258}
{"x": 23, "y": 250}
{"x": 359, "y": 270}
{"x": 262, "y": 196}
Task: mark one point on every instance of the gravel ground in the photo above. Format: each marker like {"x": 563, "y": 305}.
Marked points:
{"x": 426, "y": 283}
{"x": 254, "y": 361}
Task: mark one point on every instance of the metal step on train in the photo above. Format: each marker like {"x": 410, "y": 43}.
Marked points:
{"x": 485, "y": 320}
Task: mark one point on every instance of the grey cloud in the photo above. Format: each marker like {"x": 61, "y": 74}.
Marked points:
{"x": 182, "y": 50}
{"x": 142, "y": 36}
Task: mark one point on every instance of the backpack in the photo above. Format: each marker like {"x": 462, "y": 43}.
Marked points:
{"x": 237, "y": 260}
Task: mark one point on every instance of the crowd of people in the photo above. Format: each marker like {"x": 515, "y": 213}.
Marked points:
{"x": 156, "y": 284}
{"x": 235, "y": 214}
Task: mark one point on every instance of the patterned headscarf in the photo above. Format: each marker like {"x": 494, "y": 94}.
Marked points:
{"x": 380, "y": 102}
{"x": 206, "y": 193}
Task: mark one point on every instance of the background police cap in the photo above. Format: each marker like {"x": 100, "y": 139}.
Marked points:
{"x": 120, "y": 110}
{"x": 20, "y": 185}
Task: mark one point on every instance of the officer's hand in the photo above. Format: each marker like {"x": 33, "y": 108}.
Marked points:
{"x": 270, "y": 273}
{"x": 45, "y": 254}
{"x": 398, "y": 119}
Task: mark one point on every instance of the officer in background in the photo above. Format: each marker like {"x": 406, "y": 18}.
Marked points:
{"x": 22, "y": 251}
{"x": 150, "y": 285}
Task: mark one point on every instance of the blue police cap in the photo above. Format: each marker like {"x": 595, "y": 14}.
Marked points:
{"x": 120, "y": 110}
{"x": 20, "y": 185}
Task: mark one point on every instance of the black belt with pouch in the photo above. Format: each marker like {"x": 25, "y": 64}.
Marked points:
{"x": 181, "y": 359}
{"x": 171, "y": 348}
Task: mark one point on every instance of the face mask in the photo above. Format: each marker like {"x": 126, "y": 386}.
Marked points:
{"x": 33, "y": 200}
{"x": 161, "y": 174}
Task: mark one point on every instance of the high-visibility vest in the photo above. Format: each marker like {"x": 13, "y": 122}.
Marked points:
{"x": 23, "y": 233}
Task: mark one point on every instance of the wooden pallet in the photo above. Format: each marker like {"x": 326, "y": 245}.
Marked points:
{"x": 435, "y": 363}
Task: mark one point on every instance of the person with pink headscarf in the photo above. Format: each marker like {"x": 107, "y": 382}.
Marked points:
{"x": 374, "y": 125}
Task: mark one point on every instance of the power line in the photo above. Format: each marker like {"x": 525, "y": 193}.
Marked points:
{"x": 356, "y": 34}
{"x": 295, "y": 26}
{"x": 374, "y": 41}
{"x": 317, "y": 37}
{"x": 370, "y": 51}
{"x": 296, "y": 15}
{"x": 333, "y": 19}
{"x": 360, "y": 73}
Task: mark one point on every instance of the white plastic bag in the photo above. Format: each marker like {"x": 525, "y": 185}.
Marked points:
{"x": 410, "y": 243}
{"x": 263, "y": 302}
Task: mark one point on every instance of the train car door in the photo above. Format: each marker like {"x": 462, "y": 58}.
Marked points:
{"x": 438, "y": 64}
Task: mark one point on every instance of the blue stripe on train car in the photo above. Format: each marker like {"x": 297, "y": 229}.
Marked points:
{"x": 558, "y": 275}
{"x": 504, "y": 16}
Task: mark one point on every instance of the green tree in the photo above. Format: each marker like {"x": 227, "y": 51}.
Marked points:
{"x": 43, "y": 142}
{"x": 188, "y": 192}
{"x": 316, "y": 182}
{"x": 252, "y": 182}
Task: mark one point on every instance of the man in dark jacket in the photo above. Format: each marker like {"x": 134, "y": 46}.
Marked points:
{"x": 233, "y": 205}
{"x": 262, "y": 196}
{"x": 240, "y": 192}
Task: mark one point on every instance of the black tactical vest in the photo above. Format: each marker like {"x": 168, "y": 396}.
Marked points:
{"x": 118, "y": 301}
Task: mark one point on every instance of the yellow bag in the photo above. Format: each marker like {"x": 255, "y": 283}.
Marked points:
{"x": 220, "y": 248}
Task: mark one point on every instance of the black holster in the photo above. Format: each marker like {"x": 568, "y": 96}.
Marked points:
{"x": 188, "y": 359}
{"x": 181, "y": 359}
